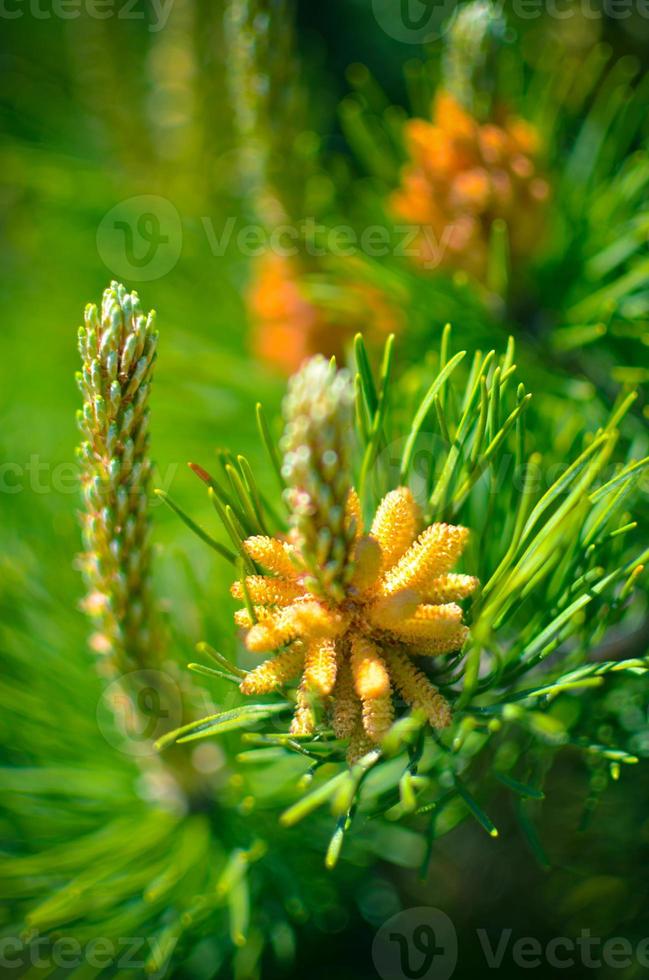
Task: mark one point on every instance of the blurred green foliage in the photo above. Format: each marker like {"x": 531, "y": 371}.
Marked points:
{"x": 94, "y": 113}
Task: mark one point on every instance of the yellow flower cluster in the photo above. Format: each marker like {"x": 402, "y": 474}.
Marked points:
{"x": 402, "y": 601}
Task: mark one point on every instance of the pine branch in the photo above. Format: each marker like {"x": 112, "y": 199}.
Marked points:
{"x": 558, "y": 566}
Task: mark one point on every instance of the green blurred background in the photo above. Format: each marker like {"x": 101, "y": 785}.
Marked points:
{"x": 96, "y": 113}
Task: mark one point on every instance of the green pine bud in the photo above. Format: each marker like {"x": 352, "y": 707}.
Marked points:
{"x": 318, "y": 446}
{"x": 115, "y": 382}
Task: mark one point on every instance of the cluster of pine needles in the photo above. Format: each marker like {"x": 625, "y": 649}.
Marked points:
{"x": 556, "y": 565}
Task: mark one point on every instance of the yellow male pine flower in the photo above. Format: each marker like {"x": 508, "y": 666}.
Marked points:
{"x": 355, "y": 650}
